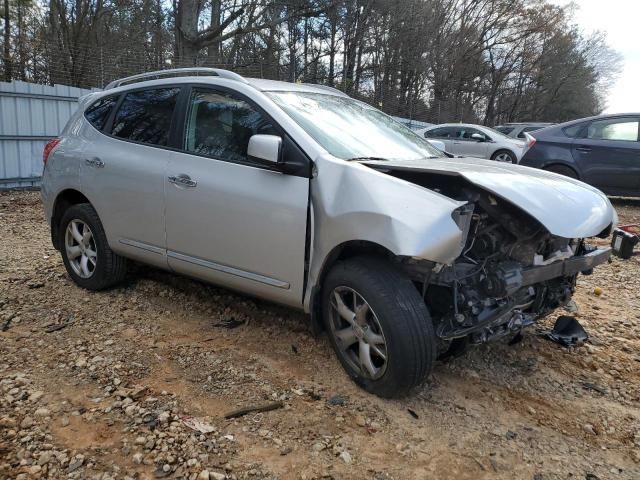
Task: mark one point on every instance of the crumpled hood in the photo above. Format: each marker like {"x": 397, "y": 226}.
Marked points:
{"x": 566, "y": 207}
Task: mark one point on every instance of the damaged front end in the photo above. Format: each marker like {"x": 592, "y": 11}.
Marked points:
{"x": 511, "y": 272}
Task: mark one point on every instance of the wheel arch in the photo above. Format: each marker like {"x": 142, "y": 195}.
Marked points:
{"x": 343, "y": 251}
{"x": 559, "y": 163}
{"x": 495, "y": 153}
{"x": 65, "y": 199}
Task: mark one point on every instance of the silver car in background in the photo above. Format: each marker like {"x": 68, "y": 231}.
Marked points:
{"x": 303, "y": 196}
{"x": 478, "y": 141}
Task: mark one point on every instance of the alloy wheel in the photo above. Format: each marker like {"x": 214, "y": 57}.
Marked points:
{"x": 80, "y": 247}
{"x": 357, "y": 333}
{"x": 504, "y": 157}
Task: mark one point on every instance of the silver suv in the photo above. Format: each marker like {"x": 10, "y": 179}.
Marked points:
{"x": 303, "y": 196}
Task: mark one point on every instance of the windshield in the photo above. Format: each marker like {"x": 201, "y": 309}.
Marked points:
{"x": 353, "y": 130}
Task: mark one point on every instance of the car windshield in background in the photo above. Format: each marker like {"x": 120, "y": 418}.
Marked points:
{"x": 350, "y": 129}
{"x": 497, "y": 133}
{"x": 504, "y": 130}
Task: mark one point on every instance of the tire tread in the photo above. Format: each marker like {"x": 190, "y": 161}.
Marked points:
{"x": 115, "y": 266}
{"x": 411, "y": 322}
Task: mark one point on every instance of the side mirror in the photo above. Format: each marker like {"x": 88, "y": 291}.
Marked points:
{"x": 265, "y": 148}
{"x": 478, "y": 137}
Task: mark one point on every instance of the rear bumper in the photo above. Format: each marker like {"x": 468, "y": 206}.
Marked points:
{"x": 565, "y": 268}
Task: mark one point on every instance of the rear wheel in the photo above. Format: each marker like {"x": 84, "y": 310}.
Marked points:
{"x": 378, "y": 325}
{"x": 504, "y": 156}
{"x": 85, "y": 251}
{"x": 562, "y": 170}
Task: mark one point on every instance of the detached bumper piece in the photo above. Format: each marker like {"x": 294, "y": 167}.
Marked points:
{"x": 624, "y": 241}
{"x": 565, "y": 268}
{"x": 568, "y": 332}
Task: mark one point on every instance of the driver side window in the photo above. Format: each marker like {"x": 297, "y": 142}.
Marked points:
{"x": 466, "y": 134}
{"x": 219, "y": 125}
{"x": 614, "y": 129}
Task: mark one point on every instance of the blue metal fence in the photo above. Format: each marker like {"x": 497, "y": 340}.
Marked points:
{"x": 30, "y": 114}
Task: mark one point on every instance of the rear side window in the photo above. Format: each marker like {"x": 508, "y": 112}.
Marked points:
{"x": 99, "y": 112}
{"x": 442, "y": 132}
{"x": 145, "y": 116}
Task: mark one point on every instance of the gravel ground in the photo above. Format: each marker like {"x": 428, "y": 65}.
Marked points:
{"x": 117, "y": 385}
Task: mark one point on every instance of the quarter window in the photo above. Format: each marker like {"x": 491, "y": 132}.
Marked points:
{"x": 99, "y": 112}
{"x": 219, "y": 125}
{"x": 614, "y": 129}
{"x": 145, "y": 116}
{"x": 573, "y": 131}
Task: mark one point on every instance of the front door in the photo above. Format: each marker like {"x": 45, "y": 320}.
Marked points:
{"x": 471, "y": 147}
{"x": 229, "y": 219}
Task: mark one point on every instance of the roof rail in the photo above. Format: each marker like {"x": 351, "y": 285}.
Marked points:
{"x": 177, "y": 72}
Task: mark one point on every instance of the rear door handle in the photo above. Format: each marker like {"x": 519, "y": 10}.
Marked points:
{"x": 584, "y": 149}
{"x": 183, "y": 181}
{"x": 94, "y": 162}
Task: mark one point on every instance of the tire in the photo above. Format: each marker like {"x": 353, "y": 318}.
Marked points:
{"x": 102, "y": 268}
{"x": 504, "y": 156}
{"x": 394, "y": 314}
{"x": 562, "y": 170}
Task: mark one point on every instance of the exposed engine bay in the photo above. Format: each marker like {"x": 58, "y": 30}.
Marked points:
{"x": 511, "y": 271}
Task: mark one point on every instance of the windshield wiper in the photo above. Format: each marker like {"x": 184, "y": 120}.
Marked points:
{"x": 377, "y": 159}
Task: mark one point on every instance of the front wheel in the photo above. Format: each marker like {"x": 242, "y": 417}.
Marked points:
{"x": 378, "y": 325}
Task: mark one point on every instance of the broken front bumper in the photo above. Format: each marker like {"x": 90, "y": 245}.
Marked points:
{"x": 565, "y": 268}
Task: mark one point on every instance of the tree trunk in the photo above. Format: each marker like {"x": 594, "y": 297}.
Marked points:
{"x": 214, "y": 51}
{"x": 7, "y": 43}
{"x": 22, "y": 54}
{"x": 187, "y": 48}
{"x": 332, "y": 45}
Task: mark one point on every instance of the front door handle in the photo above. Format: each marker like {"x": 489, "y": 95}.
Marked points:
{"x": 183, "y": 180}
{"x": 584, "y": 149}
{"x": 94, "y": 162}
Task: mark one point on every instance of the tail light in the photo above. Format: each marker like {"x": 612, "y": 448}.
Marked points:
{"x": 531, "y": 141}
{"x": 48, "y": 148}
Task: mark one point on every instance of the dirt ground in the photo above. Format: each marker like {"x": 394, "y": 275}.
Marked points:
{"x": 109, "y": 385}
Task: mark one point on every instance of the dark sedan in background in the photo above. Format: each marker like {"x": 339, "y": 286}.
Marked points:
{"x": 602, "y": 151}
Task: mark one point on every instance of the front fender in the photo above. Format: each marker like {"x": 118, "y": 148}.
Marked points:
{"x": 354, "y": 202}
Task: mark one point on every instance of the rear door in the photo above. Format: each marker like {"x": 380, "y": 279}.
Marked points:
{"x": 230, "y": 219}
{"x": 609, "y": 154}
{"x": 446, "y": 135}
{"x": 124, "y": 171}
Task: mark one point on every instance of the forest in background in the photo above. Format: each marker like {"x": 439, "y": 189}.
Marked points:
{"x": 486, "y": 61}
